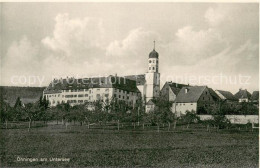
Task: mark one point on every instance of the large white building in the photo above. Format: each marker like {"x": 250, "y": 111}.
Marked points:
{"x": 128, "y": 88}
{"x": 79, "y": 91}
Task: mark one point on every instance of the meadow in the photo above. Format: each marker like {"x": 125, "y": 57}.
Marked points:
{"x": 130, "y": 147}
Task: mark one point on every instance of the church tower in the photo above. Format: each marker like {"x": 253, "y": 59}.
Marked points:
{"x": 152, "y": 77}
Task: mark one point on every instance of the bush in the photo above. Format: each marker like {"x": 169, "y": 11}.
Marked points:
{"x": 221, "y": 121}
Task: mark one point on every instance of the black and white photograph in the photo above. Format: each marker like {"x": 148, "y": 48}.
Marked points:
{"x": 129, "y": 84}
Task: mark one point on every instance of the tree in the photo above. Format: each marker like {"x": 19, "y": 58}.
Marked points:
{"x": 190, "y": 117}
{"x": 45, "y": 114}
{"x": 163, "y": 113}
{"x": 6, "y": 112}
{"x": 31, "y": 112}
{"x": 221, "y": 121}
{"x": 119, "y": 109}
{"x": 18, "y": 110}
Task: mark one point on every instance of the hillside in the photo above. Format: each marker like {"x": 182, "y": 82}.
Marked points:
{"x": 27, "y": 94}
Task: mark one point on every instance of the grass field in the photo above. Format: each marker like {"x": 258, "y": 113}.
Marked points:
{"x": 193, "y": 147}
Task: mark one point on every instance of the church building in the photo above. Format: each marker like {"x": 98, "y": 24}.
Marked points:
{"x": 128, "y": 88}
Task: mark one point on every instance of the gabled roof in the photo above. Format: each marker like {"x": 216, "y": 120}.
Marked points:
{"x": 98, "y": 82}
{"x": 214, "y": 94}
{"x": 193, "y": 94}
{"x": 228, "y": 95}
{"x": 175, "y": 87}
{"x": 255, "y": 95}
{"x": 140, "y": 79}
{"x": 150, "y": 102}
{"x": 242, "y": 94}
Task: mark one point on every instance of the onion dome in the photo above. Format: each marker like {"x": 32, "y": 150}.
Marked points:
{"x": 153, "y": 54}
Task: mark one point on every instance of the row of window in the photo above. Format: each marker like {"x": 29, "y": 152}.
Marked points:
{"x": 119, "y": 96}
{"x": 183, "y": 104}
{"x": 76, "y": 101}
{"x": 150, "y": 61}
{"x": 82, "y": 90}
{"x": 150, "y": 68}
{"x": 75, "y": 90}
{"x": 122, "y": 91}
{"x": 47, "y": 96}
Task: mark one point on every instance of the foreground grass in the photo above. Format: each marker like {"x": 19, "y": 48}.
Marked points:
{"x": 96, "y": 147}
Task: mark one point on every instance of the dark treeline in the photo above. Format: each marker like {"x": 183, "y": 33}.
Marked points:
{"x": 26, "y": 94}
{"x": 116, "y": 111}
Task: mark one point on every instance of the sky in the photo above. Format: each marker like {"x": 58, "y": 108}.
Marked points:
{"x": 209, "y": 44}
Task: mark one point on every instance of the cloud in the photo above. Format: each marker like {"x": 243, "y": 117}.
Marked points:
{"x": 189, "y": 46}
{"x": 22, "y": 59}
{"x": 131, "y": 53}
{"x": 215, "y": 16}
{"x": 21, "y": 53}
{"x": 76, "y": 38}
{"x": 237, "y": 23}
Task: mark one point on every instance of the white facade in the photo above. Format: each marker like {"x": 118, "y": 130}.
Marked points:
{"x": 81, "y": 96}
{"x": 181, "y": 108}
{"x": 243, "y": 100}
{"x": 149, "y": 108}
{"x": 152, "y": 85}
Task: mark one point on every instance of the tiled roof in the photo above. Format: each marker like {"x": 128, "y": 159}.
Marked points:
{"x": 98, "y": 82}
{"x": 242, "y": 94}
{"x": 193, "y": 94}
{"x": 228, "y": 95}
{"x": 176, "y": 87}
{"x": 140, "y": 79}
{"x": 214, "y": 94}
{"x": 255, "y": 95}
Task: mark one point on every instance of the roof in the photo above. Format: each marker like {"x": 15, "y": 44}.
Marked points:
{"x": 150, "y": 102}
{"x": 228, "y": 95}
{"x": 140, "y": 79}
{"x": 98, "y": 82}
{"x": 153, "y": 54}
{"x": 176, "y": 87}
{"x": 242, "y": 94}
{"x": 193, "y": 94}
{"x": 213, "y": 94}
{"x": 255, "y": 95}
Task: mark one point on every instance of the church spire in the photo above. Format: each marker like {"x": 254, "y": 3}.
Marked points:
{"x": 154, "y": 45}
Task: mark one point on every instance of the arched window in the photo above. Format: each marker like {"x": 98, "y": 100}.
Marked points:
{"x": 150, "y": 61}
{"x": 153, "y": 68}
{"x": 149, "y": 68}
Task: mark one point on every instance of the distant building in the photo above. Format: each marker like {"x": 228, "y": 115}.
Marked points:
{"x": 226, "y": 96}
{"x": 191, "y": 99}
{"x": 255, "y": 97}
{"x": 170, "y": 90}
{"x": 150, "y": 106}
{"x": 149, "y": 83}
{"x": 243, "y": 95}
{"x": 145, "y": 85}
{"x": 80, "y": 91}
